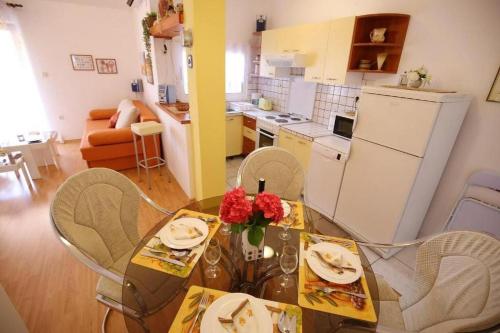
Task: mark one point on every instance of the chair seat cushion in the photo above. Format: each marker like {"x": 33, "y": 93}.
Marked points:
{"x": 120, "y": 265}
{"x": 109, "y": 289}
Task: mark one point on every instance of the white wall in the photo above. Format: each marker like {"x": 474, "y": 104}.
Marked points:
{"x": 54, "y": 30}
{"x": 458, "y": 41}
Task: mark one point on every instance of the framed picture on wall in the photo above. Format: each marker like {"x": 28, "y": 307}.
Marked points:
{"x": 106, "y": 66}
{"x": 494, "y": 95}
{"x": 82, "y": 62}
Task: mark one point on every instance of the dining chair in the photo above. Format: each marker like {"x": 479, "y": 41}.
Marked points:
{"x": 478, "y": 208}
{"x": 456, "y": 287}
{"x": 282, "y": 172}
{"x": 14, "y": 162}
{"x": 95, "y": 215}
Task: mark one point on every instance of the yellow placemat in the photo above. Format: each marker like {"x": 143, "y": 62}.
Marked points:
{"x": 190, "y": 260}
{"x": 296, "y": 216}
{"x": 337, "y": 303}
{"x": 188, "y": 309}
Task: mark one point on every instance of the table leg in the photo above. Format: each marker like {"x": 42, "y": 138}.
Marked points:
{"x": 136, "y": 156}
{"x": 31, "y": 163}
{"x": 145, "y": 157}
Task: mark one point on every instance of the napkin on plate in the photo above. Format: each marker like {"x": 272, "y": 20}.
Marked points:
{"x": 332, "y": 257}
{"x": 241, "y": 320}
{"x": 183, "y": 232}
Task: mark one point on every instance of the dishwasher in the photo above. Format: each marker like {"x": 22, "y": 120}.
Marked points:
{"x": 326, "y": 168}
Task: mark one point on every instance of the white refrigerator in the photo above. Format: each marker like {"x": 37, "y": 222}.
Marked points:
{"x": 401, "y": 143}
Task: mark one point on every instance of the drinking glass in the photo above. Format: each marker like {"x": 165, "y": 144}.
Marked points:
{"x": 212, "y": 256}
{"x": 285, "y": 224}
{"x": 226, "y": 229}
{"x": 288, "y": 262}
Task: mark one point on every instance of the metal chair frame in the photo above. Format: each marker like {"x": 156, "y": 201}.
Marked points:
{"x": 118, "y": 278}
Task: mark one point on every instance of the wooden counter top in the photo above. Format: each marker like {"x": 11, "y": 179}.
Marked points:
{"x": 183, "y": 118}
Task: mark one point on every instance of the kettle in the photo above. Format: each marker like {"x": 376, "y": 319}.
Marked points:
{"x": 265, "y": 104}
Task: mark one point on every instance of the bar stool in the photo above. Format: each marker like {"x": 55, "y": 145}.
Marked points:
{"x": 144, "y": 129}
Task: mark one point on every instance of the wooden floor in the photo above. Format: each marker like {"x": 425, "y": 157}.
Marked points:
{"x": 52, "y": 291}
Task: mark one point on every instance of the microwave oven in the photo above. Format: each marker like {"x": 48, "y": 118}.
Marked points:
{"x": 342, "y": 126}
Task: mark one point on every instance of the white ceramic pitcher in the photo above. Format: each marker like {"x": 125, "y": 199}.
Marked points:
{"x": 377, "y": 35}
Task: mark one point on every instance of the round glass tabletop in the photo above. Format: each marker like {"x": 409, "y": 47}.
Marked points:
{"x": 157, "y": 295}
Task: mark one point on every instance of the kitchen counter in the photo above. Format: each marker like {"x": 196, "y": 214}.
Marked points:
{"x": 309, "y": 130}
{"x": 183, "y": 118}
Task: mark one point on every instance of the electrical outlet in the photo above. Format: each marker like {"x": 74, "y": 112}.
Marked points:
{"x": 61, "y": 117}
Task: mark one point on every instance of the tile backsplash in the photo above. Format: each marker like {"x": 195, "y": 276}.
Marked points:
{"x": 336, "y": 98}
{"x": 329, "y": 98}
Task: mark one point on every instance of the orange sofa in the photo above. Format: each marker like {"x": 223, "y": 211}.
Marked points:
{"x": 112, "y": 147}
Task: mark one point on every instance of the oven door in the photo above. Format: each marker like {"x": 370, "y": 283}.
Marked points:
{"x": 342, "y": 126}
{"x": 265, "y": 138}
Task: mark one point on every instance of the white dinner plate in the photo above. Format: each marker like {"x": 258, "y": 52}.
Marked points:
{"x": 168, "y": 239}
{"x": 224, "y": 305}
{"x": 322, "y": 270}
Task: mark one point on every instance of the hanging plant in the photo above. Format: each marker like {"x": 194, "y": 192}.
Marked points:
{"x": 147, "y": 23}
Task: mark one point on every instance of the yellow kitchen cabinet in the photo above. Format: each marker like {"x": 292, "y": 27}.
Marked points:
{"x": 314, "y": 45}
{"x": 303, "y": 152}
{"x": 271, "y": 40}
{"x": 297, "y": 146}
{"x": 234, "y": 135}
{"x": 338, "y": 50}
{"x": 286, "y": 141}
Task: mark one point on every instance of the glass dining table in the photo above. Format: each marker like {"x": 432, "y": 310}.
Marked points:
{"x": 159, "y": 295}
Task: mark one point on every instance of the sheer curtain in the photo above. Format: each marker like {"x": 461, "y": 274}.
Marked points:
{"x": 21, "y": 110}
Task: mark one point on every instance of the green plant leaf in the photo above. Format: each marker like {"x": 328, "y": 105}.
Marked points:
{"x": 237, "y": 228}
{"x": 255, "y": 235}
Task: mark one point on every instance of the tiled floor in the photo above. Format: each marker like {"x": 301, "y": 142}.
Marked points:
{"x": 397, "y": 270}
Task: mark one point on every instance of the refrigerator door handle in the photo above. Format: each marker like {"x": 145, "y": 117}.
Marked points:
{"x": 355, "y": 123}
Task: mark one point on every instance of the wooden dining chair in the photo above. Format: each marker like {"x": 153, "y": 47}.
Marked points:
{"x": 456, "y": 288}
{"x": 95, "y": 215}
{"x": 282, "y": 172}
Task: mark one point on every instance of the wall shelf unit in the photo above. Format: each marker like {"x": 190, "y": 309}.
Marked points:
{"x": 363, "y": 48}
{"x": 168, "y": 27}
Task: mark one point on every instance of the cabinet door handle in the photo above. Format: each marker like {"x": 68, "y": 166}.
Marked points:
{"x": 295, "y": 50}
{"x": 331, "y": 79}
{"x": 301, "y": 142}
{"x": 316, "y": 77}
{"x": 230, "y": 119}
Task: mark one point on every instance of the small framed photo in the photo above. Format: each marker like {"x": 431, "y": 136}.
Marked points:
{"x": 494, "y": 95}
{"x": 106, "y": 66}
{"x": 82, "y": 62}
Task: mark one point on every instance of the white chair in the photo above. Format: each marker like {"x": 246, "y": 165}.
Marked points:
{"x": 46, "y": 147}
{"x": 95, "y": 215}
{"x": 478, "y": 207}
{"x": 282, "y": 172}
{"x": 14, "y": 162}
{"x": 456, "y": 288}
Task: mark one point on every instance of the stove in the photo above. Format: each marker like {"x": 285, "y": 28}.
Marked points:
{"x": 272, "y": 122}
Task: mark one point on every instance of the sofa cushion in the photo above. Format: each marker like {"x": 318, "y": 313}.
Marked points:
{"x": 99, "y": 114}
{"x": 110, "y": 136}
{"x": 128, "y": 115}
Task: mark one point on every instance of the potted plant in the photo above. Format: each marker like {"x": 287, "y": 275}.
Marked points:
{"x": 250, "y": 216}
{"x": 147, "y": 23}
{"x": 418, "y": 77}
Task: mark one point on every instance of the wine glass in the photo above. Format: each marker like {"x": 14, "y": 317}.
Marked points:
{"x": 285, "y": 224}
{"x": 288, "y": 262}
{"x": 226, "y": 229}
{"x": 212, "y": 256}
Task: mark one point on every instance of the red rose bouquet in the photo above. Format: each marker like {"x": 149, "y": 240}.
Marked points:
{"x": 243, "y": 213}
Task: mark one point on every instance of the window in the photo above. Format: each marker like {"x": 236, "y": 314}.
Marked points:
{"x": 235, "y": 72}
{"x": 20, "y": 103}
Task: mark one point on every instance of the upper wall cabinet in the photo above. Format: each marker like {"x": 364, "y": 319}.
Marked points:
{"x": 336, "y": 47}
{"x": 363, "y": 47}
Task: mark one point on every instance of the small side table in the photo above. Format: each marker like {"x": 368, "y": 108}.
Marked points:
{"x": 144, "y": 129}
